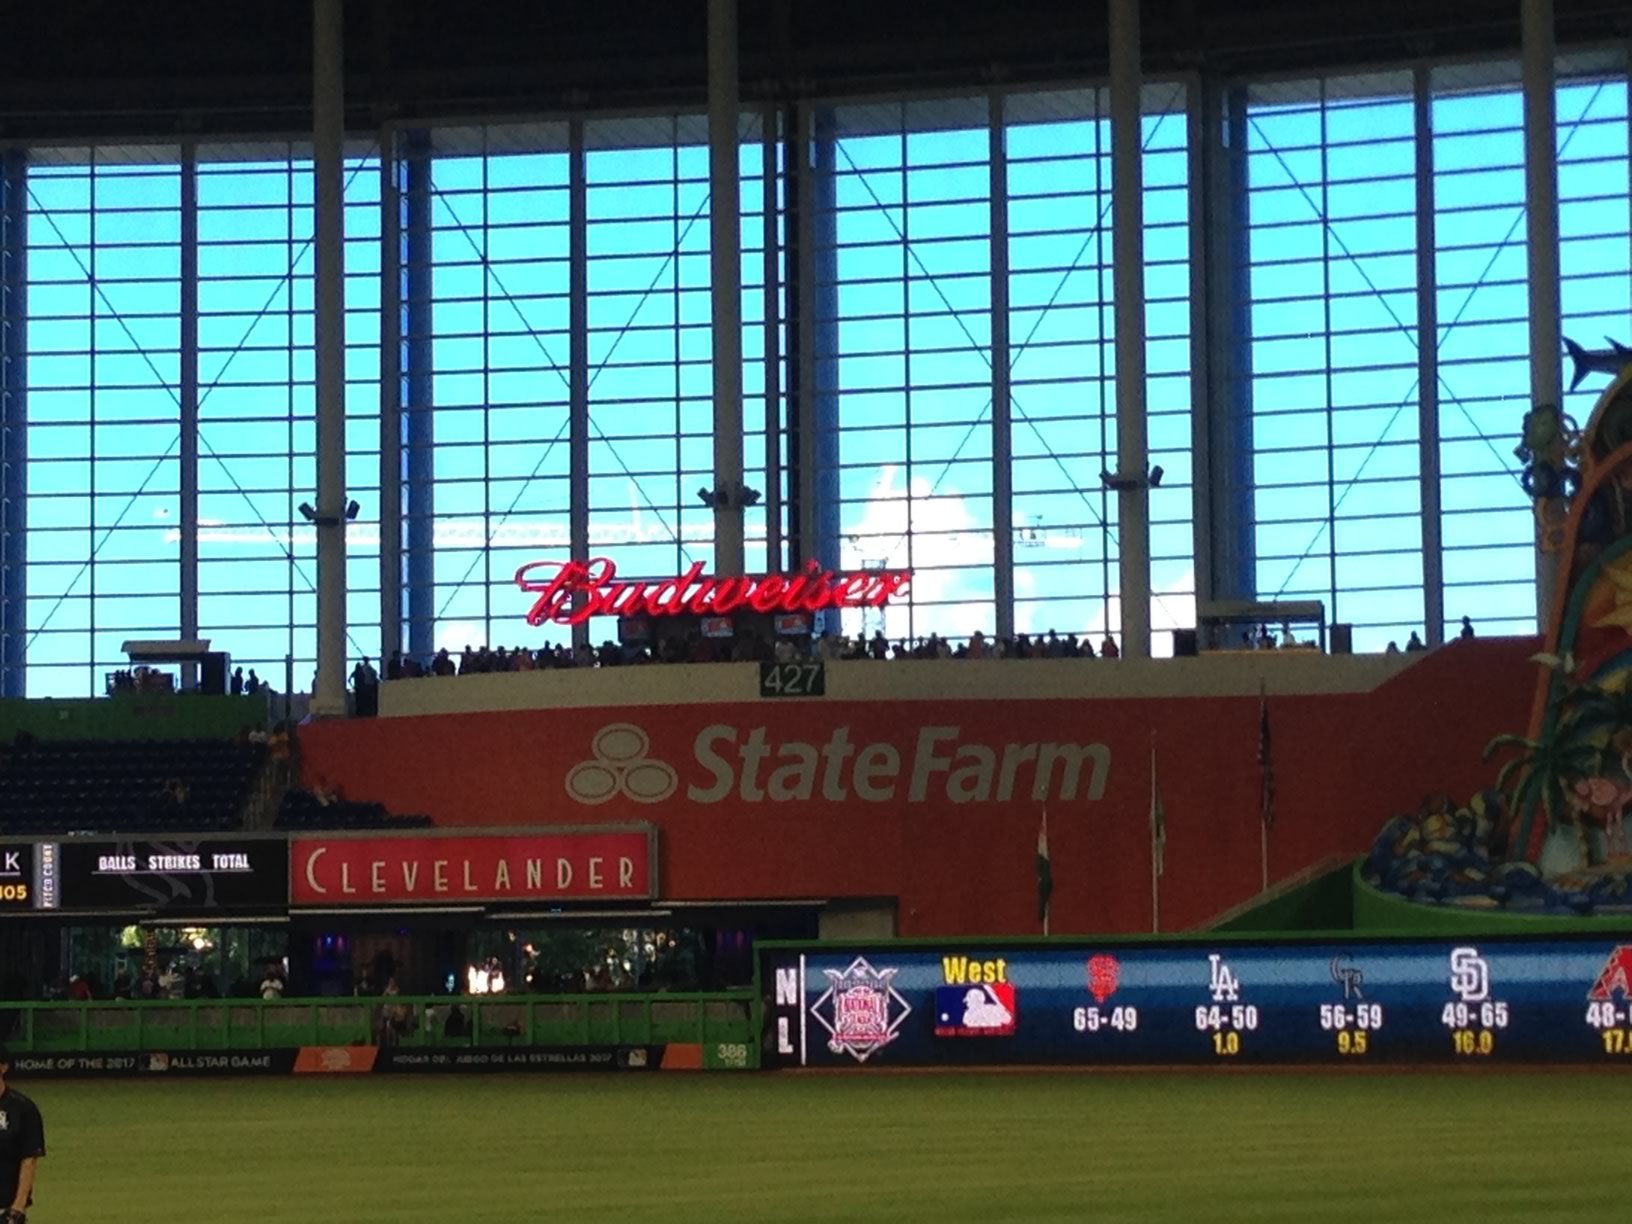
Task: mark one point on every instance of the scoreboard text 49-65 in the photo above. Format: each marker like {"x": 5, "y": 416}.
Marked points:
{"x": 1472, "y": 1000}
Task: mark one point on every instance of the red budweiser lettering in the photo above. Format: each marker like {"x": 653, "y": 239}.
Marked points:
{"x": 395, "y": 870}
{"x": 573, "y": 591}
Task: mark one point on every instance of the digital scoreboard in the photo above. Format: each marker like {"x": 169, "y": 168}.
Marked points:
{"x": 1566, "y": 1000}
{"x": 175, "y": 875}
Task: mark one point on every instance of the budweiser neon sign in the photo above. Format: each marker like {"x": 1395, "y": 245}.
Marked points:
{"x": 571, "y": 592}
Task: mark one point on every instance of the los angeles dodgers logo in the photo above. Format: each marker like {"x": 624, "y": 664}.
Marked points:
{"x": 1221, "y": 981}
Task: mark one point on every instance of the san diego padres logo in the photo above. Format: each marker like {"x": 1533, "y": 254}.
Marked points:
{"x": 620, "y": 766}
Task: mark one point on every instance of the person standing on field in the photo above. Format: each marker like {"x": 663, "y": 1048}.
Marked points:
{"x": 22, "y": 1144}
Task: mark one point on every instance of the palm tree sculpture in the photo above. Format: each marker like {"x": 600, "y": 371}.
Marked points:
{"x": 1543, "y": 774}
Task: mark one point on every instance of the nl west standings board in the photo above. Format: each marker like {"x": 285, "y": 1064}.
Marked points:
{"x": 1477, "y": 1000}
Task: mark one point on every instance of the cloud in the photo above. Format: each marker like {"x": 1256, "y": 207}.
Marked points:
{"x": 951, "y": 556}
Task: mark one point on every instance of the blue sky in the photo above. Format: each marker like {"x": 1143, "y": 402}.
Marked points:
{"x": 1332, "y": 241}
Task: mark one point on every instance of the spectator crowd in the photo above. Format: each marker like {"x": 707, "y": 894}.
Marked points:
{"x": 750, "y": 647}
{"x": 746, "y": 647}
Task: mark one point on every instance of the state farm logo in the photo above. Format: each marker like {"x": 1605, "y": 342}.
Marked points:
{"x": 620, "y": 766}
{"x": 729, "y": 764}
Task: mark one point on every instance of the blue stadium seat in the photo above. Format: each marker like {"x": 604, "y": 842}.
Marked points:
{"x": 121, "y": 786}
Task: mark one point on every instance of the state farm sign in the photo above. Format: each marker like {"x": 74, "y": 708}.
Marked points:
{"x": 938, "y": 764}
{"x": 616, "y": 864}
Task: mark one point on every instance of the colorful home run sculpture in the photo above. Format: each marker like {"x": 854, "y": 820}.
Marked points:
{"x": 1550, "y": 835}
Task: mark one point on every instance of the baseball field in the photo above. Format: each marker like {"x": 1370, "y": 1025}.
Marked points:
{"x": 1314, "y": 1149}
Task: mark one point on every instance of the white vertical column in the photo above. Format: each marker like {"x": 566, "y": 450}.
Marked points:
{"x": 772, "y": 147}
{"x": 1128, "y": 259}
{"x": 1002, "y": 409}
{"x": 1541, "y": 216}
{"x": 1429, "y": 474}
{"x": 392, "y": 407}
{"x": 577, "y": 361}
{"x": 328, "y": 169}
{"x": 725, "y": 247}
{"x": 805, "y": 420}
{"x": 187, "y": 403}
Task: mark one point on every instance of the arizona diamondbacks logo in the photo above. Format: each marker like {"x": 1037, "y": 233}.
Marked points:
{"x": 861, "y": 1010}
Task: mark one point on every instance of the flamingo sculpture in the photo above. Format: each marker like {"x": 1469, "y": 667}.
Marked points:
{"x": 1610, "y": 797}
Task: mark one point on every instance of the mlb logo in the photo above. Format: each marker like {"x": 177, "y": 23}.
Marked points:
{"x": 977, "y": 1011}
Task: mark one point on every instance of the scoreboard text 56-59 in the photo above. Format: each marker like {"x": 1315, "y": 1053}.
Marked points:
{"x": 1502, "y": 999}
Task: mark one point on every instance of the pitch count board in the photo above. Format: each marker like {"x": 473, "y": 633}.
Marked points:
{"x": 180, "y": 876}
{"x": 1474, "y": 1000}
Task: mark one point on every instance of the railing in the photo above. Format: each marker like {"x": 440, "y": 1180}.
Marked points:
{"x": 272, "y": 781}
{"x": 490, "y": 1022}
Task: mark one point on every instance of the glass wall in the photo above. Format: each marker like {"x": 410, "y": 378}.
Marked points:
{"x": 501, "y": 335}
{"x": 104, "y": 467}
{"x": 1062, "y": 357}
{"x": 257, "y": 431}
{"x": 904, "y": 256}
{"x": 1335, "y": 239}
{"x": 1481, "y": 247}
{"x": 105, "y": 403}
{"x": 905, "y": 244}
{"x": 1369, "y": 198}
{"x": 499, "y": 356}
{"x": 651, "y": 390}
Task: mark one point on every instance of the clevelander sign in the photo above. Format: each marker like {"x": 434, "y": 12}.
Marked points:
{"x": 606, "y": 863}
{"x": 939, "y": 766}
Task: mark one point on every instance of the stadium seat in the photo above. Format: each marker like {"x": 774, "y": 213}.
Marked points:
{"x": 120, "y": 786}
{"x": 302, "y": 811}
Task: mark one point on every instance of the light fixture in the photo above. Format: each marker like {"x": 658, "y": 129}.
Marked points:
{"x": 728, "y": 497}
{"x": 329, "y": 520}
{"x": 1118, "y": 483}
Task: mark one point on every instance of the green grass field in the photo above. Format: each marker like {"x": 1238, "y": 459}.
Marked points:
{"x": 1317, "y": 1149}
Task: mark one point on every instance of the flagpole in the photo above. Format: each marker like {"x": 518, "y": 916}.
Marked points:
{"x": 1155, "y": 849}
{"x": 1045, "y": 873}
{"x": 1266, "y": 796}
{"x": 1263, "y": 852}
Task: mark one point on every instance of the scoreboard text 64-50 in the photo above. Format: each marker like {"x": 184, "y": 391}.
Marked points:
{"x": 1565, "y": 1000}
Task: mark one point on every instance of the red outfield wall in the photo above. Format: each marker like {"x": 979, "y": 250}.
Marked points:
{"x": 939, "y": 803}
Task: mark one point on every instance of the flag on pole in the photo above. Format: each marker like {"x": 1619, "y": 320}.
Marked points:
{"x": 1266, "y": 766}
{"x": 1158, "y": 819}
{"x": 1045, "y": 873}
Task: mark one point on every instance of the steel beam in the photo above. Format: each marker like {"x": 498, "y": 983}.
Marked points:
{"x": 329, "y": 325}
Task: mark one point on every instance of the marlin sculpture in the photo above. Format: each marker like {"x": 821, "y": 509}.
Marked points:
{"x": 1609, "y": 361}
